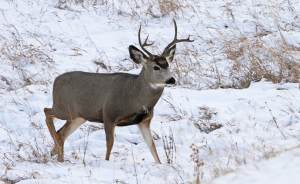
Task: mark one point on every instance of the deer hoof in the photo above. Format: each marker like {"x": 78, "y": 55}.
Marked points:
{"x": 58, "y": 150}
{"x": 60, "y": 158}
{"x": 54, "y": 151}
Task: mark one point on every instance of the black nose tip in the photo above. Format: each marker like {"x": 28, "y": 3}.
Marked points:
{"x": 171, "y": 81}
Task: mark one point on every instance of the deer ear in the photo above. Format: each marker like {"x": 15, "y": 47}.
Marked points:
{"x": 169, "y": 55}
{"x": 136, "y": 55}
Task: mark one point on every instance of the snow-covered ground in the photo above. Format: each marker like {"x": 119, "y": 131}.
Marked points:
{"x": 284, "y": 168}
{"x": 240, "y": 135}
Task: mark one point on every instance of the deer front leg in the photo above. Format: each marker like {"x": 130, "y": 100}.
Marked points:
{"x": 110, "y": 134}
{"x": 144, "y": 127}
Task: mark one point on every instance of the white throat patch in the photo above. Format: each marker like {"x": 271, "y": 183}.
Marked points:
{"x": 157, "y": 85}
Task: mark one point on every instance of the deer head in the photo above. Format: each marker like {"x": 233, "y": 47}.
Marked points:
{"x": 156, "y": 67}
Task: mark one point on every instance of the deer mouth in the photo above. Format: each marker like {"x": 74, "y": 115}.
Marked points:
{"x": 171, "y": 81}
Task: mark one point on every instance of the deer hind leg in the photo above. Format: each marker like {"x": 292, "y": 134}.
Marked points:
{"x": 144, "y": 127}
{"x": 56, "y": 138}
{"x": 64, "y": 132}
{"x": 110, "y": 134}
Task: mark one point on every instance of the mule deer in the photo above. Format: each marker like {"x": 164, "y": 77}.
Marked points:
{"x": 116, "y": 99}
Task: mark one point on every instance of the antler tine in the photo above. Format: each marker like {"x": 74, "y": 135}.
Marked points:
{"x": 145, "y": 44}
{"x": 175, "y": 27}
{"x": 175, "y": 40}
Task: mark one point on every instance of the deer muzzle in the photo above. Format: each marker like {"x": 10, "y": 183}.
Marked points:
{"x": 171, "y": 81}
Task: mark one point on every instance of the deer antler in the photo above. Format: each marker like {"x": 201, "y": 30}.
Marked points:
{"x": 175, "y": 40}
{"x": 145, "y": 44}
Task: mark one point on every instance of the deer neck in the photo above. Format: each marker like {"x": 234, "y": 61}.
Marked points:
{"x": 149, "y": 92}
{"x": 149, "y": 86}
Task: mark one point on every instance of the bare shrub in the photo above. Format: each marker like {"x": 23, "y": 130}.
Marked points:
{"x": 197, "y": 161}
{"x": 9, "y": 164}
{"x": 179, "y": 113}
{"x": 25, "y": 150}
{"x": 7, "y": 180}
{"x": 206, "y": 121}
{"x": 169, "y": 146}
{"x": 15, "y": 49}
{"x": 23, "y": 57}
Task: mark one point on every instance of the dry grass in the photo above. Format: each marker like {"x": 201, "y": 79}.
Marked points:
{"x": 25, "y": 150}
{"x": 252, "y": 60}
{"x": 169, "y": 6}
{"x": 20, "y": 55}
{"x": 15, "y": 49}
{"x": 136, "y": 8}
{"x": 240, "y": 60}
{"x": 246, "y": 58}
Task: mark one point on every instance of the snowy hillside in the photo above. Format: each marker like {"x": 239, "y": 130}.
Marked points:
{"x": 233, "y": 117}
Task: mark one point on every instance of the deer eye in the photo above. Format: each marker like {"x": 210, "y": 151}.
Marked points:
{"x": 156, "y": 68}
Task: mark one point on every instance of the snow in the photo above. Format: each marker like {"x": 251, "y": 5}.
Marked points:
{"x": 284, "y": 168}
{"x": 248, "y": 134}
{"x": 258, "y": 141}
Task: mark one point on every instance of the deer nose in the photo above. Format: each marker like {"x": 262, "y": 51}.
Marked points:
{"x": 171, "y": 81}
